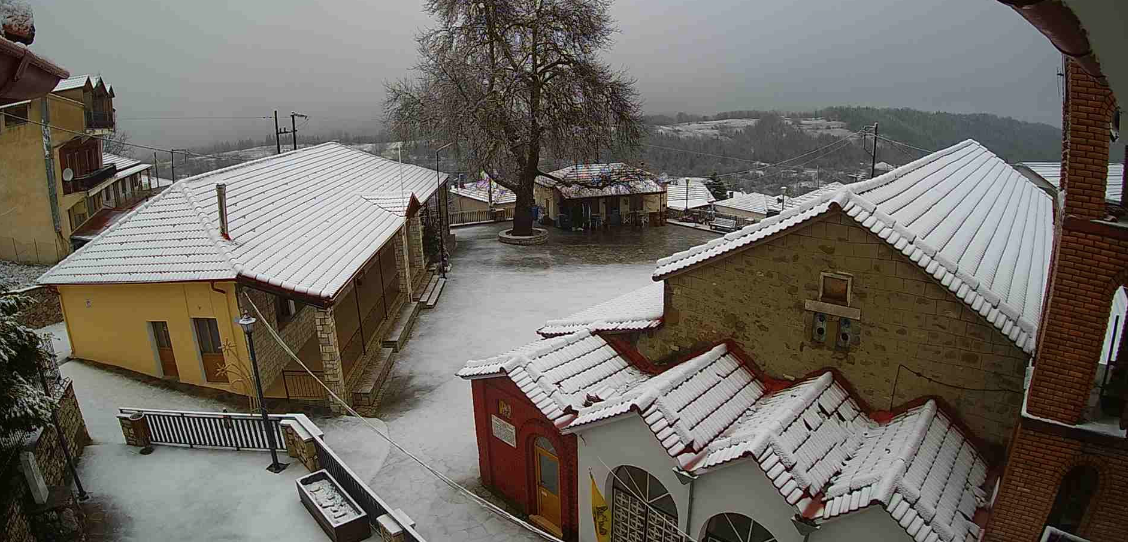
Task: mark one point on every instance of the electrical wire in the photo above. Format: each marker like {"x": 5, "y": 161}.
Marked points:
{"x": 895, "y": 142}
{"x": 454, "y": 485}
{"x": 953, "y": 386}
{"x": 189, "y": 118}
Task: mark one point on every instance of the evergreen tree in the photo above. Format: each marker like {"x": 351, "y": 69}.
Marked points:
{"x": 718, "y": 188}
{"x": 23, "y": 404}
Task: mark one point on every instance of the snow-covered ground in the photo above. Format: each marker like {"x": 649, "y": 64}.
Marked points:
{"x": 14, "y": 275}
{"x": 717, "y": 128}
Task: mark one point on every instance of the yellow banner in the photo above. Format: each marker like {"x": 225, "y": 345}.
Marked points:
{"x": 600, "y": 513}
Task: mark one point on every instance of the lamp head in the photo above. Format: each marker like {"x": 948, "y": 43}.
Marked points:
{"x": 247, "y": 322}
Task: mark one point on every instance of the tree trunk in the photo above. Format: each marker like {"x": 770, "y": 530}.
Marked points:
{"x": 523, "y": 212}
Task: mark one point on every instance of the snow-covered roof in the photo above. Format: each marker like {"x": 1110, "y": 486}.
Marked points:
{"x": 558, "y": 374}
{"x": 125, "y": 167}
{"x": 304, "y": 221}
{"x": 77, "y": 81}
{"x": 978, "y": 226}
{"x": 598, "y": 180}
{"x": 753, "y": 202}
{"x": 699, "y": 194}
{"x": 633, "y": 311}
{"x": 1051, "y": 172}
{"x": 884, "y": 166}
{"x": 480, "y": 190}
{"x": 812, "y": 440}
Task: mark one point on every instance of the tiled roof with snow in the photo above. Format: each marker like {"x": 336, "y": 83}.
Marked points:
{"x": 633, "y": 311}
{"x": 304, "y": 221}
{"x": 559, "y": 374}
{"x": 965, "y": 217}
{"x": 480, "y": 191}
{"x": 813, "y": 442}
{"x": 125, "y": 167}
{"x": 699, "y": 194}
{"x": 753, "y": 202}
{"x": 1051, "y": 172}
{"x": 597, "y": 180}
{"x": 77, "y": 81}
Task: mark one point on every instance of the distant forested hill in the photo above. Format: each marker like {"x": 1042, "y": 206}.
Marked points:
{"x": 1013, "y": 140}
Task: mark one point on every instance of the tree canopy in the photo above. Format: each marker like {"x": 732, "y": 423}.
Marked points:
{"x": 23, "y": 403}
{"x": 517, "y": 83}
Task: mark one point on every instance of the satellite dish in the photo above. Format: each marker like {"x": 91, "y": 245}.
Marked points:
{"x": 68, "y": 174}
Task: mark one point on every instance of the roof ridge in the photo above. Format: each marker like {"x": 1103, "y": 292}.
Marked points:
{"x": 257, "y": 160}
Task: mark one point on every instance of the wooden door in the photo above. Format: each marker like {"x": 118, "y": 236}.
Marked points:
{"x": 164, "y": 349}
{"x": 211, "y": 349}
{"x": 548, "y": 484}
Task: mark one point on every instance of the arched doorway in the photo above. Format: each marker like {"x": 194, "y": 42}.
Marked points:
{"x": 1072, "y": 501}
{"x": 641, "y": 510}
{"x": 731, "y": 527}
{"x": 546, "y": 465}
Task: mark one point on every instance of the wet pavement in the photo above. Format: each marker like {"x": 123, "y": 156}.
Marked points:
{"x": 495, "y": 299}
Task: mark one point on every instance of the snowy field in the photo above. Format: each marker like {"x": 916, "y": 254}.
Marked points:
{"x": 14, "y": 275}
{"x": 717, "y": 128}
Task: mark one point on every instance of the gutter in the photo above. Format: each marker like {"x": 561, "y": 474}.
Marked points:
{"x": 25, "y": 75}
{"x": 1058, "y": 23}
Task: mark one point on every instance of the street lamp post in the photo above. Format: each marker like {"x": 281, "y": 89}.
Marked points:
{"x": 442, "y": 219}
{"x": 247, "y": 322}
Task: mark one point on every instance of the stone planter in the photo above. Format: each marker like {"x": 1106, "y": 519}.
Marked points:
{"x": 339, "y": 516}
{"x": 538, "y": 237}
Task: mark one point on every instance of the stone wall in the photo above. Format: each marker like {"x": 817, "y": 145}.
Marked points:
{"x": 330, "y": 356}
{"x": 757, "y": 297}
{"x": 45, "y": 445}
{"x": 272, "y": 359}
{"x": 415, "y": 250}
{"x": 44, "y": 310}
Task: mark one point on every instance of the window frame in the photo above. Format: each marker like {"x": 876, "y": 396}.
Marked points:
{"x": 849, "y": 279}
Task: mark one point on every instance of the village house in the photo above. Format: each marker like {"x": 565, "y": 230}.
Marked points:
{"x": 478, "y": 201}
{"x": 850, "y": 369}
{"x": 689, "y": 193}
{"x": 595, "y": 195}
{"x": 1048, "y": 176}
{"x": 751, "y": 207}
{"x": 87, "y": 188}
{"x": 326, "y": 243}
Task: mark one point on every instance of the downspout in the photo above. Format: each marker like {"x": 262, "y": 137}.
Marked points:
{"x": 49, "y": 163}
{"x": 687, "y": 478}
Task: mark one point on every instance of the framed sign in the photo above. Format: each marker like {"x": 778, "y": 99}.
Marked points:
{"x": 504, "y": 431}
{"x": 504, "y": 409}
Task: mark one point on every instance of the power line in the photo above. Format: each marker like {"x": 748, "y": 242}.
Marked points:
{"x": 454, "y": 485}
{"x": 188, "y": 118}
{"x": 895, "y": 142}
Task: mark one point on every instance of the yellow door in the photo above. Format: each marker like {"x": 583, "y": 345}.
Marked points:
{"x": 548, "y": 486}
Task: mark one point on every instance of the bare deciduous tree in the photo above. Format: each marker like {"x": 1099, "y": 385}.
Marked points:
{"x": 118, "y": 144}
{"x": 516, "y": 83}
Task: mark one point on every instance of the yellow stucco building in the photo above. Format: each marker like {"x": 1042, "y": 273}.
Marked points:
{"x": 324, "y": 245}
{"x": 55, "y": 176}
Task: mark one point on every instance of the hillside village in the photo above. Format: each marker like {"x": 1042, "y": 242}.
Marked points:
{"x": 485, "y": 324}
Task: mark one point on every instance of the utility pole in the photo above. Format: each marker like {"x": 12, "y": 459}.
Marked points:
{"x": 173, "y": 154}
{"x": 873, "y": 161}
{"x": 294, "y": 128}
{"x": 156, "y": 169}
{"x": 277, "y": 142}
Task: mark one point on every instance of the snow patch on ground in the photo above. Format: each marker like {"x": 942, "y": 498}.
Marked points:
{"x": 59, "y": 339}
{"x": 16, "y": 275}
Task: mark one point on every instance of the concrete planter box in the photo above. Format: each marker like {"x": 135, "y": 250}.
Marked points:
{"x": 339, "y": 516}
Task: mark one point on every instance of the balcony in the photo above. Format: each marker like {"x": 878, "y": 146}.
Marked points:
{"x": 100, "y": 120}
{"x": 89, "y": 180}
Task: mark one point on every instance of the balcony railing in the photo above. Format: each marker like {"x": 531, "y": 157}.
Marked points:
{"x": 89, "y": 180}
{"x": 99, "y": 120}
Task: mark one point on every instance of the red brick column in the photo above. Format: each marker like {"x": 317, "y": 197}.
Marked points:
{"x": 1086, "y": 263}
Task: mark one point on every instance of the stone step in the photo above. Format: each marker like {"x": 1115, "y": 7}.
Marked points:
{"x": 429, "y": 301}
{"x": 420, "y": 293}
{"x": 430, "y": 289}
{"x": 368, "y": 387}
{"x": 401, "y": 328}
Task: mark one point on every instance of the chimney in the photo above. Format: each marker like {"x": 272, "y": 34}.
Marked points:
{"x": 221, "y": 200}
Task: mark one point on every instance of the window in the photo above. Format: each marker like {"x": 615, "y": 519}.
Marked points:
{"x": 207, "y": 332}
{"x": 16, "y": 115}
{"x": 284, "y": 310}
{"x": 730, "y": 527}
{"x": 642, "y": 509}
{"x": 836, "y": 289}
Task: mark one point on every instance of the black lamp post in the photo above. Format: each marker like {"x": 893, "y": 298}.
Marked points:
{"x": 442, "y": 217}
{"x": 247, "y": 322}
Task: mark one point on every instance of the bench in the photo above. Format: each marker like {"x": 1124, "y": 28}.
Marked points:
{"x": 723, "y": 224}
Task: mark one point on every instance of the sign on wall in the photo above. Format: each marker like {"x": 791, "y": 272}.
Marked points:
{"x": 504, "y": 431}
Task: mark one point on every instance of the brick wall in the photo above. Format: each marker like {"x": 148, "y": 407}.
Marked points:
{"x": 415, "y": 250}
{"x": 272, "y": 359}
{"x": 757, "y": 298}
{"x": 52, "y": 463}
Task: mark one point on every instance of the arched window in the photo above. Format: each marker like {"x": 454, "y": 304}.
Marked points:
{"x": 545, "y": 445}
{"x": 642, "y": 510}
{"x": 1072, "y": 501}
{"x": 735, "y": 528}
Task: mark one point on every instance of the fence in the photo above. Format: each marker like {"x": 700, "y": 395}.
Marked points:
{"x": 300, "y": 385}
{"x": 244, "y": 432}
{"x": 31, "y": 251}
{"x": 699, "y": 216}
{"x": 474, "y": 217}
{"x": 210, "y": 429}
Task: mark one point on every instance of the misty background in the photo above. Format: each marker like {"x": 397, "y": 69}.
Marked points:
{"x": 211, "y": 58}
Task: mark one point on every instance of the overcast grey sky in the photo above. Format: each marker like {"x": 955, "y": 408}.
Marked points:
{"x": 176, "y": 58}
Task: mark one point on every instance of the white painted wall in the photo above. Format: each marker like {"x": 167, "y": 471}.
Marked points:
{"x": 627, "y": 441}
{"x": 743, "y": 488}
{"x": 872, "y": 523}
